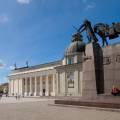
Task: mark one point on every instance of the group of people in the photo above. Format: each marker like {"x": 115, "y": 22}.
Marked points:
{"x": 1, "y": 94}
{"x": 17, "y": 96}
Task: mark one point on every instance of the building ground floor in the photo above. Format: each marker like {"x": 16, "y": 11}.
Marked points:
{"x": 33, "y": 86}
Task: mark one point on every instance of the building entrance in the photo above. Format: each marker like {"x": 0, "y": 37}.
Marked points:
{"x": 44, "y": 92}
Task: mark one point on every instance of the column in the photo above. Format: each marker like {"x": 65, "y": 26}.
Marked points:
{"x": 76, "y": 82}
{"x": 18, "y": 86}
{"x": 13, "y": 88}
{"x": 25, "y": 87}
{"x": 57, "y": 84}
{"x": 35, "y": 93}
{"x": 30, "y": 93}
{"x": 9, "y": 87}
{"x": 47, "y": 86}
{"x": 41, "y": 89}
{"x": 21, "y": 86}
{"x": 53, "y": 85}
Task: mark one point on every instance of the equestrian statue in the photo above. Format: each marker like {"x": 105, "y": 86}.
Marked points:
{"x": 103, "y": 30}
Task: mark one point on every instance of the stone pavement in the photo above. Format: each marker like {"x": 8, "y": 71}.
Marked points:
{"x": 38, "y": 109}
{"x": 21, "y": 100}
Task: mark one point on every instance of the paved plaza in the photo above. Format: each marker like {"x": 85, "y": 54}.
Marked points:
{"x": 21, "y": 100}
{"x": 39, "y": 109}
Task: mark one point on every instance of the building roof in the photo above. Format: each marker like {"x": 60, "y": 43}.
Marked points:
{"x": 50, "y": 64}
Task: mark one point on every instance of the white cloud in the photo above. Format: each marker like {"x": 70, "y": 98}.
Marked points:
{"x": 90, "y": 5}
{"x": 24, "y": 1}
{"x": 4, "y": 19}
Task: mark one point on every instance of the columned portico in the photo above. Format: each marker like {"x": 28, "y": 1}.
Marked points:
{"x": 34, "y": 82}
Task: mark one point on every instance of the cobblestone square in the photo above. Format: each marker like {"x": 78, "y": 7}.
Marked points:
{"x": 39, "y": 109}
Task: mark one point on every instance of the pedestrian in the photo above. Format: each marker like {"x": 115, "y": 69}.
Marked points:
{"x": 6, "y": 95}
{"x": 0, "y": 96}
{"x": 16, "y": 96}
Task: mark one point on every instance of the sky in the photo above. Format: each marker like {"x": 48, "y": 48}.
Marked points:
{"x": 38, "y": 31}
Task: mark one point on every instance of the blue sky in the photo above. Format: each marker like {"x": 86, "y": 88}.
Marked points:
{"x": 40, "y": 30}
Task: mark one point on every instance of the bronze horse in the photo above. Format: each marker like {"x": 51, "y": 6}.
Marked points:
{"x": 104, "y": 31}
{"x": 86, "y": 26}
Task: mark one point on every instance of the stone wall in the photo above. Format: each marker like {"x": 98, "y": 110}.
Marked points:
{"x": 111, "y": 64}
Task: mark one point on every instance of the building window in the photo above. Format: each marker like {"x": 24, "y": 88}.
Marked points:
{"x": 70, "y": 79}
{"x": 106, "y": 60}
{"x": 70, "y": 60}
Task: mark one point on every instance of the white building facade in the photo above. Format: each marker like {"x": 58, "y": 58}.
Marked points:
{"x": 34, "y": 81}
{"x": 59, "y": 78}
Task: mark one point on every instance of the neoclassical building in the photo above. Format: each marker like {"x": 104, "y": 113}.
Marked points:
{"x": 86, "y": 70}
{"x": 35, "y": 80}
{"x": 58, "y": 78}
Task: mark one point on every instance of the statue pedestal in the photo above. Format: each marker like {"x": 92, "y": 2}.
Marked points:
{"x": 89, "y": 85}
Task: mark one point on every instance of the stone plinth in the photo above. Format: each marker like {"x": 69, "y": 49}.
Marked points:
{"x": 91, "y": 70}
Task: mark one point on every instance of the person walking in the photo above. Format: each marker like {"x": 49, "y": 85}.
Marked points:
{"x": 0, "y": 96}
{"x": 16, "y": 96}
